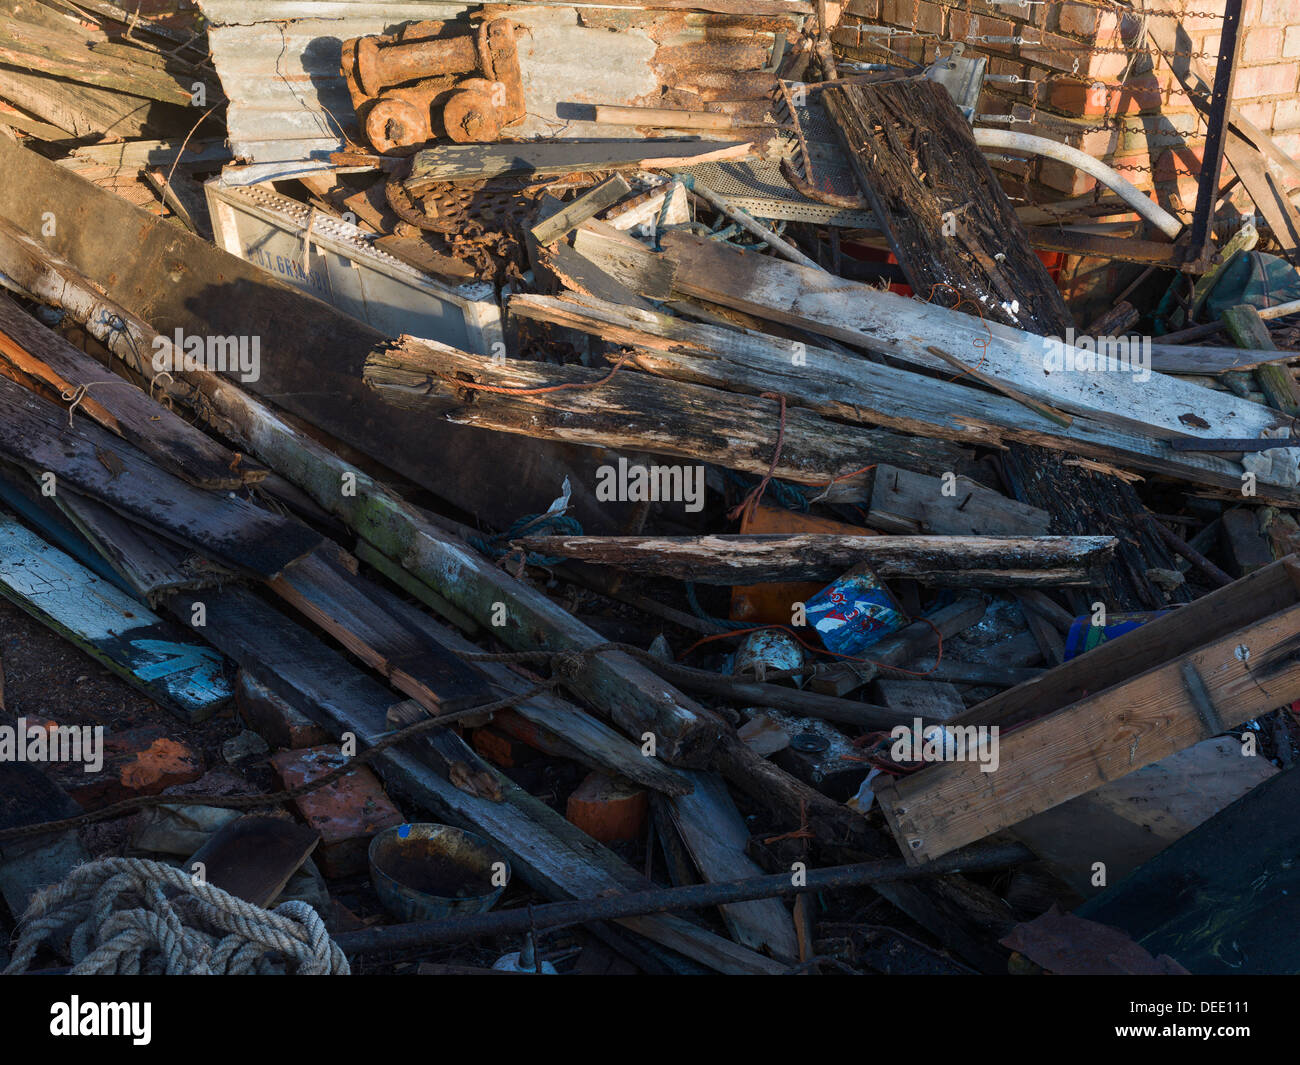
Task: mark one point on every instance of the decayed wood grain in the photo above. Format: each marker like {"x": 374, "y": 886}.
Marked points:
{"x": 948, "y": 221}
{"x": 958, "y": 561}
{"x": 852, "y": 389}
{"x": 893, "y": 325}
{"x": 1102, "y": 737}
{"x": 640, "y": 413}
{"x": 343, "y": 605}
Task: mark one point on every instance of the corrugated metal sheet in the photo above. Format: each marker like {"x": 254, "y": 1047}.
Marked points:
{"x": 289, "y": 102}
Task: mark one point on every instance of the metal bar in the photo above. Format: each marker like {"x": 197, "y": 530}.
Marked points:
{"x": 1200, "y": 697}
{"x": 663, "y": 900}
{"x": 1207, "y": 186}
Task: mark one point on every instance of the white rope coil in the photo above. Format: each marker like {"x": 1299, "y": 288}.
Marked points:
{"x": 131, "y": 915}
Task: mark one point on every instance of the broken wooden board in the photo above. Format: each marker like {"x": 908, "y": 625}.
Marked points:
{"x": 907, "y": 502}
{"x": 1225, "y": 898}
{"x": 1127, "y": 822}
{"x": 185, "y": 676}
{"x": 468, "y": 162}
{"x": 1101, "y": 738}
{"x": 852, "y": 389}
{"x": 716, "y": 837}
{"x": 953, "y": 561}
{"x": 636, "y": 412}
{"x": 35, "y": 434}
{"x": 894, "y": 325}
{"x": 42, "y": 355}
{"x": 344, "y": 605}
{"x": 950, "y": 225}
{"x": 577, "y": 273}
{"x": 150, "y": 565}
{"x": 573, "y": 214}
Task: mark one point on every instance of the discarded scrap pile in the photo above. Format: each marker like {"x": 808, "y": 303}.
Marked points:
{"x": 627, "y": 493}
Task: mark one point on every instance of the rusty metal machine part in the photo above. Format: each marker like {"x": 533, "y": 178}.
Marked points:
{"x": 397, "y": 114}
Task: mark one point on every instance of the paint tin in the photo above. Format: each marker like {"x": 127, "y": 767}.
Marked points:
{"x": 853, "y": 612}
{"x": 768, "y": 651}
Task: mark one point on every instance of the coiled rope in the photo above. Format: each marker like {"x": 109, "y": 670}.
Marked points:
{"x": 130, "y": 916}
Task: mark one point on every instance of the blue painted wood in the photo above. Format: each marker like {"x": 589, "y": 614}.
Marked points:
{"x": 188, "y": 677}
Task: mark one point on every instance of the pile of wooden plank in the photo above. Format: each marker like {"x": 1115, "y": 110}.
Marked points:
{"x": 743, "y": 589}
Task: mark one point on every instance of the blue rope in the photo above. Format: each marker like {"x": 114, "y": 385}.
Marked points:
{"x": 790, "y": 496}
{"x": 700, "y": 612}
{"x": 535, "y": 525}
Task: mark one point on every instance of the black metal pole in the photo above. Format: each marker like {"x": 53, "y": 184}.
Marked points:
{"x": 1216, "y": 137}
{"x": 662, "y": 900}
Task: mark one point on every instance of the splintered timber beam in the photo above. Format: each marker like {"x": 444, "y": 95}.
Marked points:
{"x": 1044, "y": 368}
{"x": 850, "y": 389}
{"x": 1102, "y": 737}
{"x": 637, "y": 412}
{"x": 958, "y": 561}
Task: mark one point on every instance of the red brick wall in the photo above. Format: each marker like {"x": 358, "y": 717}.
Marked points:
{"x": 1073, "y": 56}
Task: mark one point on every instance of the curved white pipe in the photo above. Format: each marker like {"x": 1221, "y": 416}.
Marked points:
{"x": 1027, "y": 142}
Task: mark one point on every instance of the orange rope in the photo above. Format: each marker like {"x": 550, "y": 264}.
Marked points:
{"x": 508, "y": 391}
{"x": 747, "y": 505}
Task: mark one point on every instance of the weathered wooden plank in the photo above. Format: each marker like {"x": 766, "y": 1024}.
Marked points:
{"x": 119, "y": 631}
{"x": 893, "y": 325}
{"x": 35, "y": 434}
{"x": 319, "y": 587}
{"x": 1100, "y": 738}
{"x": 464, "y": 162}
{"x": 907, "y": 502}
{"x": 636, "y": 412}
{"x": 573, "y": 214}
{"x": 956, "y": 561}
{"x": 632, "y": 264}
{"x": 716, "y": 837}
{"x": 149, "y": 564}
{"x": 116, "y": 404}
{"x": 1248, "y": 330}
{"x": 578, "y": 273}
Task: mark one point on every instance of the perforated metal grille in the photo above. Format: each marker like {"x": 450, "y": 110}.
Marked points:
{"x": 756, "y": 185}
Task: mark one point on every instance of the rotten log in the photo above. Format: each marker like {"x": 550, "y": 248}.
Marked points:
{"x": 969, "y": 561}
{"x": 636, "y": 412}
